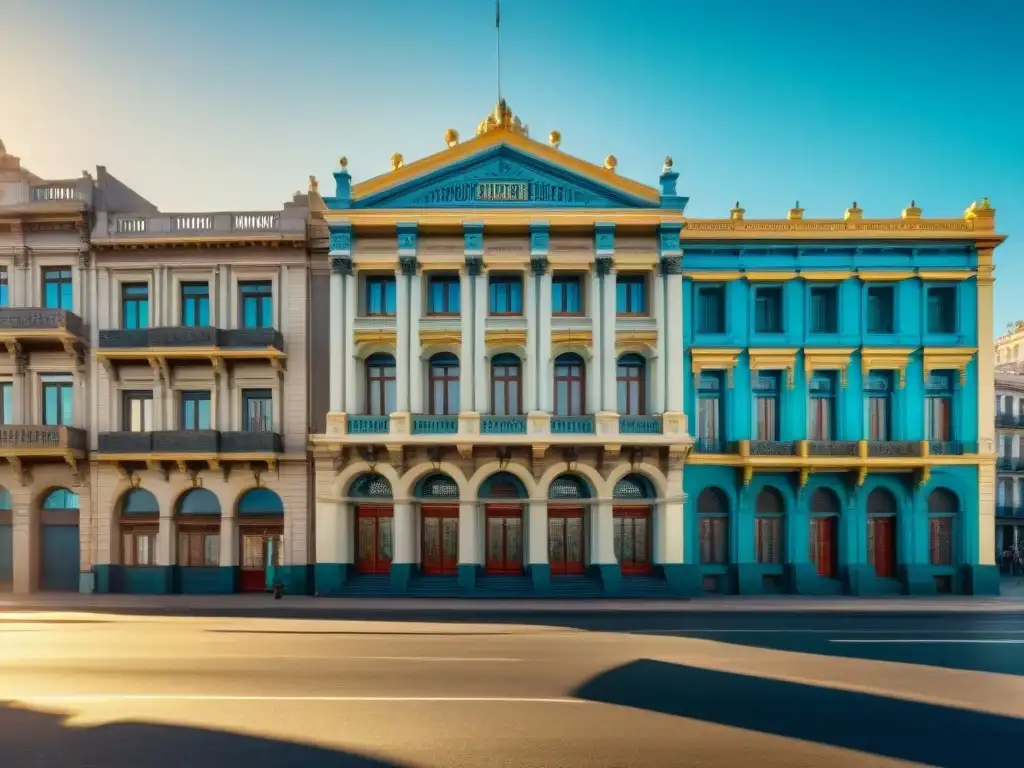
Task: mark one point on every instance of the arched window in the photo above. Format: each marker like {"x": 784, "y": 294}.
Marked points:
{"x": 503, "y": 485}
{"x": 568, "y": 488}
{"x": 198, "y": 534}
{"x": 371, "y": 486}
{"x": 506, "y": 386}
{"x": 61, "y": 498}
{"x": 139, "y": 527}
{"x": 444, "y": 385}
{"x": 632, "y": 385}
{"x": 881, "y": 509}
{"x": 713, "y": 524}
{"x": 768, "y": 509}
{"x": 570, "y": 385}
{"x": 823, "y": 537}
{"x": 380, "y": 385}
{"x": 943, "y": 507}
{"x": 260, "y": 501}
{"x": 633, "y": 487}
{"x": 438, "y": 486}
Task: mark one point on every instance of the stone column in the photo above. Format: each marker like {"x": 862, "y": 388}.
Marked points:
{"x": 660, "y": 377}
{"x": 538, "y": 329}
{"x": 466, "y": 320}
{"x": 24, "y": 540}
{"x": 671, "y": 264}
{"x": 481, "y": 379}
{"x": 336, "y": 329}
{"x": 545, "y": 401}
{"x": 537, "y": 530}
{"x": 229, "y": 538}
{"x": 469, "y": 549}
{"x": 405, "y": 554}
{"x": 166, "y": 545}
{"x": 984, "y": 370}
{"x": 609, "y": 390}
{"x": 403, "y": 342}
{"x": 348, "y": 362}
{"x": 602, "y": 533}
{"x": 669, "y": 529}
{"x": 595, "y": 302}
{"x": 19, "y": 395}
{"x": 417, "y": 383}
{"x": 530, "y": 363}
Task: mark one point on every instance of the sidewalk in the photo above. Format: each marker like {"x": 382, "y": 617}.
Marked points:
{"x": 256, "y": 604}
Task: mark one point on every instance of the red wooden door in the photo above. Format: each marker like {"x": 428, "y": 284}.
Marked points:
{"x": 823, "y": 547}
{"x": 374, "y": 539}
{"x": 632, "y": 535}
{"x": 440, "y": 539}
{"x": 504, "y": 539}
{"x": 565, "y": 540}
{"x": 255, "y": 546}
{"x": 882, "y": 546}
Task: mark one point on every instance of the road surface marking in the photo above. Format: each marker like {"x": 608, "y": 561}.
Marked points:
{"x": 933, "y": 641}
{"x": 116, "y": 697}
{"x": 426, "y": 658}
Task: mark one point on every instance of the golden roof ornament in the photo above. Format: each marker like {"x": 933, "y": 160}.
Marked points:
{"x": 853, "y": 213}
{"x": 796, "y": 213}
{"x": 343, "y": 162}
{"x": 502, "y": 119}
{"x": 985, "y": 204}
{"x": 668, "y": 164}
{"x": 736, "y": 214}
{"x": 314, "y": 186}
{"x": 555, "y": 139}
{"x": 912, "y": 211}
{"x": 451, "y": 137}
{"x": 397, "y": 161}
{"x": 610, "y": 163}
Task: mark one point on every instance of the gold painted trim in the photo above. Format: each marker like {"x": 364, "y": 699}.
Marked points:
{"x": 886, "y": 359}
{"x": 189, "y": 353}
{"x": 512, "y": 217}
{"x": 634, "y": 261}
{"x": 500, "y": 137}
{"x": 803, "y": 463}
{"x": 771, "y": 276}
{"x": 430, "y": 337}
{"x": 713, "y": 277}
{"x": 375, "y": 336}
{"x": 840, "y": 229}
{"x": 775, "y": 360}
{"x": 948, "y": 358}
{"x": 884, "y": 276}
{"x": 428, "y": 264}
{"x": 825, "y": 276}
{"x": 625, "y": 340}
{"x": 505, "y": 337}
{"x": 573, "y": 337}
{"x": 715, "y": 359}
{"x": 949, "y": 275}
{"x": 834, "y": 359}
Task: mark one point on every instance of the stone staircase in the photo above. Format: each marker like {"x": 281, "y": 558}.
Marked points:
{"x": 576, "y": 587}
{"x": 646, "y": 588}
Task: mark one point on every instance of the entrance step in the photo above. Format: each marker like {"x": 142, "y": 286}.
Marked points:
{"x": 368, "y": 585}
{"x": 511, "y": 585}
{"x": 649, "y": 587}
{"x": 435, "y": 586}
{"x": 582, "y": 587}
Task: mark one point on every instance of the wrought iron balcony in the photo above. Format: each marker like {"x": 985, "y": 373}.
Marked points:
{"x": 1009, "y": 511}
{"x": 435, "y": 425}
{"x": 503, "y": 425}
{"x": 1009, "y": 419}
{"x": 945, "y": 448}
{"x": 250, "y": 442}
{"x": 184, "y": 441}
{"x": 572, "y": 425}
{"x": 36, "y": 325}
{"x": 710, "y": 445}
{"x": 33, "y": 439}
{"x": 125, "y": 442}
{"x": 772, "y": 448}
{"x": 639, "y": 425}
{"x": 368, "y": 425}
{"x": 203, "y": 337}
{"x": 1010, "y": 464}
{"x": 831, "y": 447}
{"x": 894, "y": 448}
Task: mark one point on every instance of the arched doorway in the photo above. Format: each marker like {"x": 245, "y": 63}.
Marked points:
{"x": 439, "y": 514}
{"x": 60, "y": 543}
{"x": 503, "y": 509}
{"x": 881, "y": 509}
{"x": 824, "y": 532}
{"x": 631, "y": 523}
{"x": 197, "y": 516}
{"x": 566, "y": 526}
{"x": 6, "y": 541}
{"x": 260, "y": 539}
{"x": 375, "y": 523}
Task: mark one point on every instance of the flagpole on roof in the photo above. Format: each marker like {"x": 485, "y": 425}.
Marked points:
{"x": 497, "y": 30}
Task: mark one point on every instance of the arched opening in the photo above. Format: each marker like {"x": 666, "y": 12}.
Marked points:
{"x": 444, "y": 385}
{"x": 570, "y": 385}
{"x": 566, "y": 524}
{"x": 881, "y": 512}
{"x": 631, "y": 379}
{"x": 439, "y": 514}
{"x": 768, "y": 514}
{"x": 197, "y": 517}
{"x": 713, "y": 526}
{"x": 375, "y": 523}
{"x": 6, "y": 541}
{"x": 943, "y": 509}
{"x": 506, "y": 385}
{"x": 140, "y": 525}
{"x": 60, "y": 543}
{"x": 504, "y": 514}
{"x": 381, "y": 385}
{"x": 824, "y": 532}
{"x": 631, "y": 523}
{"x": 260, "y": 539}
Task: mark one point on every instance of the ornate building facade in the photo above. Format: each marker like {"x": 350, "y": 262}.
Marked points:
{"x": 522, "y": 350}
{"x": 1010, "y": 465}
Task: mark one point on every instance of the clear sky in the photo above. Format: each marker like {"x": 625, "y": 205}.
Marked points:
{"x": 232, "y": 104}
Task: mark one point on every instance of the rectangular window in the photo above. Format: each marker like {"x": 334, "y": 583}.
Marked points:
{"x": 256, "y": 304}
{"x": 942, "y": 309}
{"x": 940, "y": 540}
{"x": 711, "y": 309}
{"x": 4, "y": 295}
{"x": 631, "y": 295}
{"x": 139, "y": 547}
{"x": 195, "y": 305}
{"x": 137, "y": 415}
{"x": 566, "y": 295}
{"x": 506, "y": 295}
{"x": 876, "y": 406}
{"x": 195, "y": 410}
{"x": 824, "y": 309}
{"x": 6, "y": 402}
{"x": 57, "y": 288}
{"x": 766, "y": 410}
{"x": 821, "y": 409}
{"x": 714, "y": 548}
{"x": 257, "y": 410}
{"x": 135, "y": 305}
{"x": 709, "y": 413}
{"x": 881, "y": 309}
{"x": 443, "y": 295}
{"x": 768, "y": 540}
{"x": 380, "y": 296}
{"x": 939, "y": 407}
{"x": 768, "y": 309}
{"x": 57, "y": 401}
{"x": 198, "y": 548}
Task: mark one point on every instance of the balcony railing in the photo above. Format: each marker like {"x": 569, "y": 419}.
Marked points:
{"x": 572, "y": 425}
{"x": 69, "y": 191}
{"x": 1009, "y": 419}
{"x": 189, "y": 441}
{"x": 772, "y": 448}
{"x": 945, "y": 448}
{"x": 893, "y": 448}
{"x": 435, "y": 425}
{"x": 503, "y": 425}
{"x": 1004, "y": 511}
{"x": 831, "y": 447}
{"x": 710, "y": 445}
{"x": 184, "y": 336}
{"x": 36, "y": 319}
{"x": 368, "y": 425}
{"x": 639, "y": 425}
{"x": 14, "y": 437}
{"x": 221, "y": 225}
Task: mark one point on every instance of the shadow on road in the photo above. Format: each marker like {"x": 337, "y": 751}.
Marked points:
{"x": 946, "y": 737}
{"x": 32, "y": 739}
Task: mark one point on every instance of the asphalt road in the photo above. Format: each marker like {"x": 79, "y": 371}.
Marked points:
{"x": 517, "y": 690}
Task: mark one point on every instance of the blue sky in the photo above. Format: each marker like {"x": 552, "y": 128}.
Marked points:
{"x": 231, "y": 104}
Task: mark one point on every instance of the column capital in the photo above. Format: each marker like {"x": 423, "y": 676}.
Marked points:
{"x": 408, "y": 264}
{"x": 341, "y": 239}
{"x": 474, "y": 265}
{"x": 341, "y": 265}
{"x": 671, "y": 265}
{"x": 539, "y": 265}
{"x": 604, "y": 264}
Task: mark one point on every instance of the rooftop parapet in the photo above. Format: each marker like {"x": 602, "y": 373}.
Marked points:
{"x": 288, "y": 225}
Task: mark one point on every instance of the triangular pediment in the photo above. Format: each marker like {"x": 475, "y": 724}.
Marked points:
{"x": 502, "y": 170}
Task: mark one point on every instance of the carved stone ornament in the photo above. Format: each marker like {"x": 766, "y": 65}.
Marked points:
{"x": 539, "y": 265}
{"x": 604, "y": 265}
{"x": 21, "y": 257}
{"x": 474, "y": 265}
{"x": 341, "y": 265}
{"x": 671, "y": 265}
{"x": 83, "y": 259}
{"x": 409, "y": 265}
